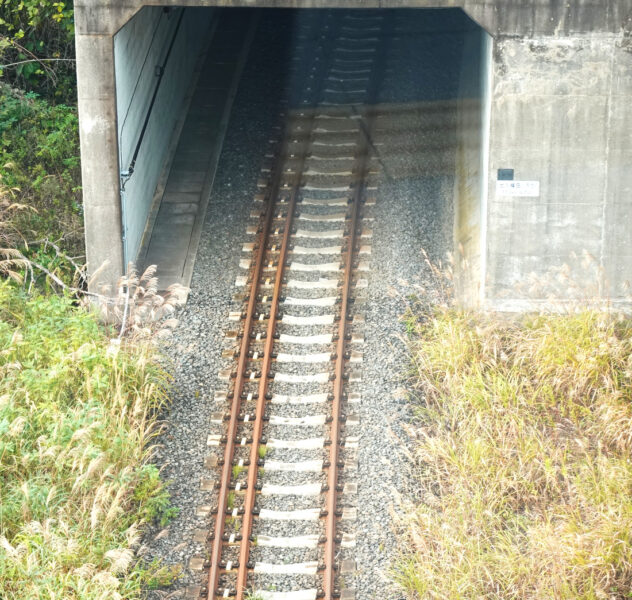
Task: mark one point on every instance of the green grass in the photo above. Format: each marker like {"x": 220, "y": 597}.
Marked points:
{"x": 40, "y": 171}
{"x": 524, "y": 433}
{"x": 76, "y": 425}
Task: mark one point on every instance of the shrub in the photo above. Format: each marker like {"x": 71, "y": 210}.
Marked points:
{"x": 77, "y": 415}
{"x": 37, "y": 40}
{"x": 39, "y": 161}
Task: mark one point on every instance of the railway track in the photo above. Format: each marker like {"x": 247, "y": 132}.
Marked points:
{"x": 285, "y": 436}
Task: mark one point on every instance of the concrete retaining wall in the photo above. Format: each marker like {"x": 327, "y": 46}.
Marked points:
{"x": 561, "y": 115}
{"x": 140, "y": 47}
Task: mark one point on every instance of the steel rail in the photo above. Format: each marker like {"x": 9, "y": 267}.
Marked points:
{"x": 335, "y": 437}
{"x": 216, "y": 550}
{"x": 360, "y": 172}
{"x": 249, "y": 502}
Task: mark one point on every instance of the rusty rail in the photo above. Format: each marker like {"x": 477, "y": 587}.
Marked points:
{"x": 336, "y": 410}
{"x": 249, "y": 501}
{"x": 222, "y": 503}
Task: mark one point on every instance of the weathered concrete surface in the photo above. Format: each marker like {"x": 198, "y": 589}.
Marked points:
{"x": 559, "y": 102}
{"x": 99, "y": 157}
{"x": 561, "y": 111}
{"x": 470, "y": 192}
{"x": 498, "y": 17}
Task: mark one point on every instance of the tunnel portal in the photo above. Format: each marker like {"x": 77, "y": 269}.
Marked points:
{"x": 511, "y": 124}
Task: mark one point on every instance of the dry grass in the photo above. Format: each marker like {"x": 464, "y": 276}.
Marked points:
{"x": 77, "y": 419}
{"x": 524, "y": 438}
{"x": 11, "y": 260}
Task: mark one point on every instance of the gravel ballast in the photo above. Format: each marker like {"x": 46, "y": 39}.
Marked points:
{"x": 413, "y": 213}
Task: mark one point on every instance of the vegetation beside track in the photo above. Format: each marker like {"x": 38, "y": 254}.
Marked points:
{"x": 77, "y": 416}
{"x": 39, "y": 141}
{"x": 77, "y": 410}
{"x": 523, "y": 438}
{"x": 39, "y": 166}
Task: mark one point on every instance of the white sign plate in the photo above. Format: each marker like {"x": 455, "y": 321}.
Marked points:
{"x": 518, "y": 188}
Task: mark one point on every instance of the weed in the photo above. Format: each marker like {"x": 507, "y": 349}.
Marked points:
{"x": 76, "y": 422}
{"x": 237, "y": 469}
{"x": 155, "y": 575}
{"x": 525, "y": 432}
{"x": 152, "y": 497}
{"x": 138, "y": 309}
{"x": 262, "y": 451}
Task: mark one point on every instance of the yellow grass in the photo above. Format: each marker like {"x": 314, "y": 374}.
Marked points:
{"x": 523, "y": 459}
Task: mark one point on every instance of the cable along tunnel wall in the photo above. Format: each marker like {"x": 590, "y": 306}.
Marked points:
{"x": 154, "y": 39}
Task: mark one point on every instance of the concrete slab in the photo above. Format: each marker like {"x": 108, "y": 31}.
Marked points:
{"x": 187, "y": 154}
{"x": 185, "y": 187}
{"x": 170, "y": 235}
{"x": 180, "y": 208}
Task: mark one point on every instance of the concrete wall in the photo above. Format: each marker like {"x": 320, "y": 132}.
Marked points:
{"x": 470, "y": 216}
{"x": 560, "y": 104}
{"x": 561, "y": 115}
{"x": 99, "y": 158}
{"x": 497, "y": 17}
{"x": 139, "y": 48}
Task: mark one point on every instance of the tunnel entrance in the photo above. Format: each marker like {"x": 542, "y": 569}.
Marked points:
{"x": 178, "y": 72}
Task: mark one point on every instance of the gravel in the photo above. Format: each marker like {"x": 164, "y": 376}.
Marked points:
{"x": 196, "y": 346}
{"x": 413, "y": 213}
